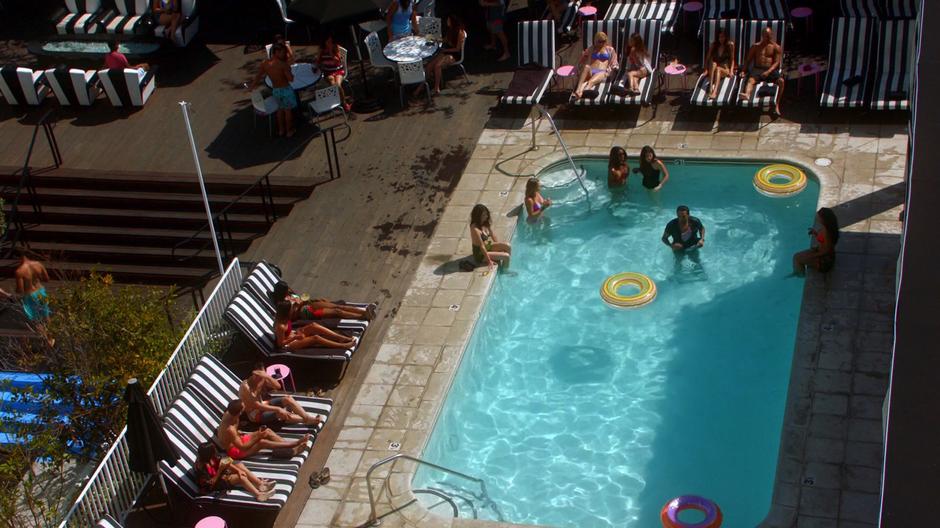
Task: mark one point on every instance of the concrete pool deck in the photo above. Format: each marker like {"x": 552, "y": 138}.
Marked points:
{"x": 831, "y": 449}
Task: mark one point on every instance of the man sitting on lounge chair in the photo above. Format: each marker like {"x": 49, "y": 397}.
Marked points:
{"x": 263, "y": 410}
{"x": 762, "y": 64}
{"x": 240, "y": 445}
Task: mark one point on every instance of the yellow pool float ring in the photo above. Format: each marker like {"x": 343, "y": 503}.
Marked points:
{"x": 610, "y": 290}
{"x": 767, "y": 180}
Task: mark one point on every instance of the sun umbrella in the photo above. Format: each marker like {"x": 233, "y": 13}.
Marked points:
{"x": 146, "y": 442}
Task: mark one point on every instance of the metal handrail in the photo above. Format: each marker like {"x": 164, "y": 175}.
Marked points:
{"x": 373, "y": 516}
{"x": 441, "y": 495}
{"x": 537, "y": 109}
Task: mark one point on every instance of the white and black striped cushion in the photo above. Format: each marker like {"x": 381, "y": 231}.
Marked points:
{"x": 894, "y": 64}
{"x": 536, "y": 44}
{"x": 858, "y": 8}
{"x": 181, "y": 474}
{"x": 256, "y": 322}
{"x": 73, "y": 87}
{"x": 650, "y": 31}
{"x": 728, "y": 91}
{"x": 715, "y": 9}
{"x": 768, "y": 10}
{"x": 614, "y": 31}
{"x": 77, "y": 23}
{"x": 849, "y": 54}
{"x": 108, "y": 522}
{"x": 750, "y": 34}
{"x": 899, "y": 9}
{"x": 569, "y": 16}
{"x": 22, "y": 86}
{"x": 666, "y": 11}
{"x": 261, "y": 280}
{"x": 216, "y": 386}
{"x": 127, "y": 87}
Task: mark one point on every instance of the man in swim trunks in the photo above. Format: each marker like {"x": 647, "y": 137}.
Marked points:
{"x": 240, "y": 445}
{"x": 762, "y": 64}
{"x": 253, "y": 393}
{"x": 684, "y": 232}
{"x": 29, "y": 276}
{"x": 278, "y": 69}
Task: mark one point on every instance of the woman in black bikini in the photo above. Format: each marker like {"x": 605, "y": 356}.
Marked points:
{"x": 720, "y": 61}
{"x": 485, "y": 246}
{"x": 822, "y": 253}
{"x": 617, "y": 168}
{"x": 651, "y": 167}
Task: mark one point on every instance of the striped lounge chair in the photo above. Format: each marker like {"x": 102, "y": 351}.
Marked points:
{"x": 715, "y": 9}
{"x": 128, "y": 87}
{"x": 23, "y": 86}
{"x": 858, "y": 8}
{"x": 666, "y": 11}
{"x": 536, "y": 63}
{"x": 73, "y": 87}
{"x": 615, "y": 34}
{"x": 765, "y": 94}
{"x": 650, "y": 31}
{"x": 768, "y": 10}
{"x": 216, "y": 386}
{"x": 188, "y": 27}
{"x": 728, "y": 91}
{"x": 79, "y": 17}
{"x": 108, "y": 522}
{"x": 849, "y": 54}
{"x": 894, "y": 65}
{"x": 899, "y": 9}
{"x": 566, "y": 24}
{"x": 127, "y": 16}
{"x": 256, "y": 322}
{"x": 182, "y": 476}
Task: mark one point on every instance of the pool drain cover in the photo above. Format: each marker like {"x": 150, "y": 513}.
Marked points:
{"x": 823, "y": 162}
{"x": 454, "y": 307}
{"x": 394, "y": 446}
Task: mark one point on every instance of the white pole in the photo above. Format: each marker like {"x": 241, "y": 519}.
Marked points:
{"x": 184, "y": 106}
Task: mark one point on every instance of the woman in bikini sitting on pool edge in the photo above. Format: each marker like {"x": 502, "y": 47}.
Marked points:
{"x": 312, "y": 335}
{"x": 596, "y": 63}
{"x": 822, "y": 253}
{"x": 318, "y": 308}
{"x": 485, "y": 246}
{"x": 535, "y": 203}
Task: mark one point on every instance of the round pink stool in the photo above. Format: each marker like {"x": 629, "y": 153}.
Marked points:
{"x": 691, "y": 7}
{"x": 211, "y": 522}
{"x": 565, "y": 72}
{"x": 804, "y": 12}
{"x": 587, "y": 11}
{"x": 278, "y": 372}
{"x": 674, "y": 70}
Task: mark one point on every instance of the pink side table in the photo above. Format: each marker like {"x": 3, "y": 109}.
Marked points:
{"x": 805, "y": 13}
{"x": 807, "y": 69}
{"x": 586, "y": 11}
{"x": 676, "y": 70}
{"x": 211, "y": 522}
{"x": 565, "y": 72}
{"x": 278, "y": 372}
{"x": 691, "y": 7}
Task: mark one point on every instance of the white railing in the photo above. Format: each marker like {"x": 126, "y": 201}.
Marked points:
{"x": 113, "y": 487}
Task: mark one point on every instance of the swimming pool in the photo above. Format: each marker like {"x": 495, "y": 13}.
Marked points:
{"x": 578, "y": 414}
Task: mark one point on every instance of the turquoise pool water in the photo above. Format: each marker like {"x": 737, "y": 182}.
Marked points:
{"x": 580, "y": 415}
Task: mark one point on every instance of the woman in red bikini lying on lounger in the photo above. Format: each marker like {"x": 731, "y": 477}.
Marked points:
{"x": 240, "y": 445}
{"x": 318, "y": 308}
{"x": 312, "y": 335}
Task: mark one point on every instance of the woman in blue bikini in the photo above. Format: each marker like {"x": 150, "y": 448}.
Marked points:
{"x": 595, "y": 63}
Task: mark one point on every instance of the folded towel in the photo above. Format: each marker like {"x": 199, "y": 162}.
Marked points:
{"x": 853, "y": 80}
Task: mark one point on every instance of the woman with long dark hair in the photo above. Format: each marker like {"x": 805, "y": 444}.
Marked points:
{"x": 401, "y": 19}
{"x": 312, "y": 335}
{"x": 453, "y": 46}
{"x": 638, "y": 63}
{"x": 485, "y": 246}
{"x": 822, "y": 252}
{"x": 331, "y": 62}
{"x": 651, "y": 168}
{"x": 617, "y": 168}
{"x": 720, "y": 62}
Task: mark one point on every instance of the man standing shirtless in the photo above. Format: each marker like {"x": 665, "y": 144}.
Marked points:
{"x": 29, "y": 276}
{"x": 763, "y": 64}
{"x": 278, "y": 69}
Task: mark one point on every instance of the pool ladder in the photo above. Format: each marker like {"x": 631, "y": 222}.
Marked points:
{"x": 539, "y": 112}
{"x": 483, "y": 496}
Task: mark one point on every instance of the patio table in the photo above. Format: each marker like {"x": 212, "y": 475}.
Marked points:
{"x": 411, "y": 49}
{"x": 305, "y": 76}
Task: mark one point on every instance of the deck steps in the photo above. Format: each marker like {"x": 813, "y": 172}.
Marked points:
{"x": 142, "y": 227}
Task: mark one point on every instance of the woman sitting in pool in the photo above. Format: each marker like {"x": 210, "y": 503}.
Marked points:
{"x": 596, "y": 64}
{"x": 318, "y": 308}
{"x": 485, "y": 246}
{"x": 312, "y": 335}
{"x": 822, "y": 252}
{"x": 651, "y": 167}
{"x": 535, "y": 203}
{"x": 617, "y": 168}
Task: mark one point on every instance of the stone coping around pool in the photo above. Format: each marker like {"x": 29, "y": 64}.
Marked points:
{"x": 398, "y": 404}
